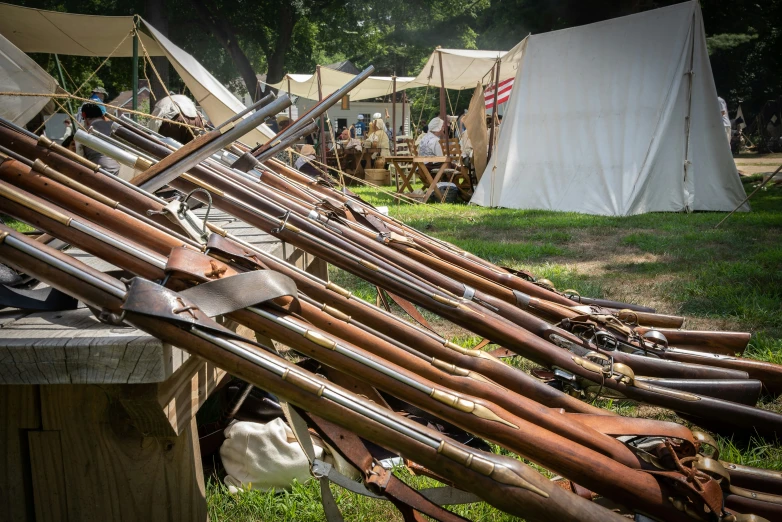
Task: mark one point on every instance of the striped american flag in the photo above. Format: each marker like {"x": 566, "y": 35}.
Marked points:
{"x": 502, "y": 95}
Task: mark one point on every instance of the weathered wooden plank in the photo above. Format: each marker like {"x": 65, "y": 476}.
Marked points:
{"x": 48, "y": 476}
{"x": 111, "y": 471}
{"x": 19, "y": 412}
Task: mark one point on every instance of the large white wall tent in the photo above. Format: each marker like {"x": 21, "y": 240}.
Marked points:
{"x": 607, "y": 119}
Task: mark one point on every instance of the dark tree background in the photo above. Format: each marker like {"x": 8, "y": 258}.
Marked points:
{"x": 238, "y": 38}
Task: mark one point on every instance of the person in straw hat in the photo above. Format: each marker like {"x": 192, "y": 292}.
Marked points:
{"x": 304, "y": 162}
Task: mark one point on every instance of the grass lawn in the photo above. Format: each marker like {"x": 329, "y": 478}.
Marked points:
{"x": 726, "y": 278}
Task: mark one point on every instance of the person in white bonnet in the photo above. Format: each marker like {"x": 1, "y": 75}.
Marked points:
{"x": 430, "y": 142}
{"x": 378, "y": 137}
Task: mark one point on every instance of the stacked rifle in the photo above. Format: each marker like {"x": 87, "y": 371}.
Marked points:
{"x": 182, "y": 273}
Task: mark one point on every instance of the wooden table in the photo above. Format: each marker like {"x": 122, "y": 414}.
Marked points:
{"x": 419, "y": 167}
{"x": 357, "y": 157}
{"x": 97, "y": 423}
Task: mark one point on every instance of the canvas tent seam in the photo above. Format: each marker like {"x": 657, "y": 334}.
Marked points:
{"x": 675, "y": 82}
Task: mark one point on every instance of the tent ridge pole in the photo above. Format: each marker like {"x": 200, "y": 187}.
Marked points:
{"x": 688, "y": 118}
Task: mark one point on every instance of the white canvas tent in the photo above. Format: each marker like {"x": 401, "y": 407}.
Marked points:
{"x": 20, "y": 73}
{"x": 598, "y": 122}
{"x": 36, "y": 30}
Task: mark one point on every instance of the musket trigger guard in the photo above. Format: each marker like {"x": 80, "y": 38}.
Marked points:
{"x": 283, "y": 223}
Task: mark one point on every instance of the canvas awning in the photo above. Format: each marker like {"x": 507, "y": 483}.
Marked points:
{"x": 39, "y": 31}
{"x": 306, "y": 85}
{"x": 462, "y": 69}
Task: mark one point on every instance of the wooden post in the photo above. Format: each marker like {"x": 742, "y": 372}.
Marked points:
{"x": 393, "y": 114}
{"x": 443, "y": 112}
{"x": 68, "y": 102}
{"x": 404, "y": 102}
{"x": 494, "y": 109}
{"x": 134, "y": 82}
{"x": 290, "y": 107}
{"x": 323, "y": 157}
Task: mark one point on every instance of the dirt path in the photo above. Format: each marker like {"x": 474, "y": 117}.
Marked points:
{"x": 761, "y": 165}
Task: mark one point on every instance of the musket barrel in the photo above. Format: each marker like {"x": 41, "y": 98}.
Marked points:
{"x": 316, "y": 111}
{"x": 201, "y": 148}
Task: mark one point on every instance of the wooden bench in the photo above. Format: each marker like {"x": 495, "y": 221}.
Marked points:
{"x": 97, "y": 423}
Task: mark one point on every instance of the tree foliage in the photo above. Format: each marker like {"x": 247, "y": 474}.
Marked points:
{"x": 237, "y": 38}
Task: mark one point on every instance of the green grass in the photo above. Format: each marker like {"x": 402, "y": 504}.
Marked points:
{"x": 16, "y": 225}
{"x": 302, "y": 504}
{"x": 725, "y": 278}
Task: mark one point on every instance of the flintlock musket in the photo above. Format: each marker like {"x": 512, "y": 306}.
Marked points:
{"x": 648, "y": 366}
{"x": 78, "y": 205}
{"x": 321, "y": 240}
{"x": 178, "y": 319}
{"x": 349, "y": 358}
{"x": 703, "y": 402}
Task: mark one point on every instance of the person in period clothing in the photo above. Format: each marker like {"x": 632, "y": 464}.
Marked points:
{"x": 94, "y": 118}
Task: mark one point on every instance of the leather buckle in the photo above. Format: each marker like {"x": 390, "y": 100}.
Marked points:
{"x": 378, "y": 478}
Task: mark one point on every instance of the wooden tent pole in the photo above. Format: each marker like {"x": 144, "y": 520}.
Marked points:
{"x": 443, "y": 113}
{"x": 322, "y": 128}
{"x": 134, "y": 81}
{"x": 393, "y": 114}
{"x": 290, "y": 107}
{"x": 494, "y": 119}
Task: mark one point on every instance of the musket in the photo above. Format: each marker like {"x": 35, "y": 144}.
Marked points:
{"x": 286, "y": 330}
{"x": 647, "y": 366}
{"x": 574, "y": 365}
{"x": 317, "y": 110}
{"x": 454, "y": 254}
{"x": 770, "y": 374}
{"x": 200, "y": 148}
{"x": 142, "y": 202}
{"x": 173, "y": 317}
{"x": 683, "y": 400}
{"x": 724, "y": 367}
{"x": 727, "y": 343}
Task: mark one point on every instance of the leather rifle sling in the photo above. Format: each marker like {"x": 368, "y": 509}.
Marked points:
{"x": 355, "y": 452}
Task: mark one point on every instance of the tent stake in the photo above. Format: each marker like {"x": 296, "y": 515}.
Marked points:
{"x": 747, "y": 198}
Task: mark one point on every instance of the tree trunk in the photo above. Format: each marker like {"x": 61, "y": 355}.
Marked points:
{"x": 276, "y": 58}
{"x": 155, "y": 14}
{"x": 226, "y": 35}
